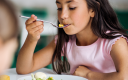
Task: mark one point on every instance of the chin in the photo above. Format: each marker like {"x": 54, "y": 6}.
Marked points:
{"x": 69, "y": 30}
{"x": 69, "y": 33}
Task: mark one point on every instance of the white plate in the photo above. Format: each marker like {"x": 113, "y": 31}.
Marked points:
{"x": 57, "y": 77}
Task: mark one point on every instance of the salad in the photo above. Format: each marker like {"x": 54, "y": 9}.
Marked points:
{"x": 40, "y": 76}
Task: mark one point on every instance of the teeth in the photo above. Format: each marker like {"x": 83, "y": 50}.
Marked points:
{"x": 67, "y": 24}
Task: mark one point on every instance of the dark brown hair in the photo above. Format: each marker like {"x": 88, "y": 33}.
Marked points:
{"x": 105, "y": 20}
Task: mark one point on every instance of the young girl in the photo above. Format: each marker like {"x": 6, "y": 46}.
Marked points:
{"x": 94, "y": 43}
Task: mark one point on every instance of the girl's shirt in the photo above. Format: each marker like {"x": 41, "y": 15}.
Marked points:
{"x": 95, "y": 57}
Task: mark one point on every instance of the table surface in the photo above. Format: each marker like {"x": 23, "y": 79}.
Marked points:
{"x": 14, "y": 76}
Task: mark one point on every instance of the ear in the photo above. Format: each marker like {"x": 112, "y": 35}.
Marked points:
{"x": 92, "y": 13}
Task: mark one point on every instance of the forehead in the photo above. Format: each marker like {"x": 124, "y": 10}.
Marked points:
{"x": 66, "y": 1}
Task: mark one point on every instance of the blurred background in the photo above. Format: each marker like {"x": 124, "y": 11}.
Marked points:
{"x": 47, "y": 10}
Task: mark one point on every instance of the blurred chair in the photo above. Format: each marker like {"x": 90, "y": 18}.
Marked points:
{"x": 123, "y": 18}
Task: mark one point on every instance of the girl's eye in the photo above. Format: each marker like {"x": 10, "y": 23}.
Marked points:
{"x": 72, "y": 8}
{"x": 59, "y": 9}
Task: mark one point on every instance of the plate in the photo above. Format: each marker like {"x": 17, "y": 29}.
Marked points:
{"x": 57, "y": 77}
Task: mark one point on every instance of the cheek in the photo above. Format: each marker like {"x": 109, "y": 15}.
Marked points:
{"x": 80, "y": 18}
{"x": 58, "y": 16}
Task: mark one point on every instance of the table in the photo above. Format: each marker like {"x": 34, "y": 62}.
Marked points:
{"x": 14, "y": 76}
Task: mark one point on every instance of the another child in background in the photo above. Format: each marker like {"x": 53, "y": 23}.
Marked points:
{"x": 8, "y": 35}
{"x": 94, "y": 43}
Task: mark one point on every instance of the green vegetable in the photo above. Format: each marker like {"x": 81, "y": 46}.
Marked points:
{"x": 50, "y": 78}
{"x": 32, "y": 75}
{"x": 39, "y": 79}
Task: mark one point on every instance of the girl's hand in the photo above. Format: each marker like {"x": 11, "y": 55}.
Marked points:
{"x": 34, "y": 28}
{"x": 82, "y": 71}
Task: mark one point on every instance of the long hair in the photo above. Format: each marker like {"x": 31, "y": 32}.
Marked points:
{"x": 105, "y": 19}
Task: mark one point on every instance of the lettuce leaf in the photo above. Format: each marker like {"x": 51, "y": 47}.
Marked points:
{"x": 39, "y": 79}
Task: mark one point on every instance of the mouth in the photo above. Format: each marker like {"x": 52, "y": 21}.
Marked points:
{"x": 66, "y": 25}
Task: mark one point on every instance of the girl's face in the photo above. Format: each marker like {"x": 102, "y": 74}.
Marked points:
{"x": 75, "y": 13}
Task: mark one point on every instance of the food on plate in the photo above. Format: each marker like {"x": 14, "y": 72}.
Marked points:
{"x": 4, "y": 77}
{"x": 61, "y": 25}
{"x": 50, "y": 78}
{"x": 39, "y": 76}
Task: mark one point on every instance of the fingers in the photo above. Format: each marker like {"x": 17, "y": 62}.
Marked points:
{"x": 39, "y": 31}
{"x": 34, "y": 28}
{"x": 33, "y": 25}
{"x": 31, "y": 20}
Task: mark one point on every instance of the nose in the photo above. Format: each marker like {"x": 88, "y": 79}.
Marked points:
{"x": 64, "y": 14}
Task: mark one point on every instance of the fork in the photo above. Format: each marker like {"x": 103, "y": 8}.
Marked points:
{"x": 44, "y": 21}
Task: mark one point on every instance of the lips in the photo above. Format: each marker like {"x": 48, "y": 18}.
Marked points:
{"x": 66, "y": 25}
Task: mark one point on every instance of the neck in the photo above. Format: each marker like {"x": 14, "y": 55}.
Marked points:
{"x": 85, "y": 40}
{"x": 86, "y": 37}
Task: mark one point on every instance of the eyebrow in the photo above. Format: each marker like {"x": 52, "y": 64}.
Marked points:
{"x": 66, "y": 1}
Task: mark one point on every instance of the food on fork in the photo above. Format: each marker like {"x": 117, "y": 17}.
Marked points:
{"x": 61, "y": 25}
{"x": 4, "y": 77}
